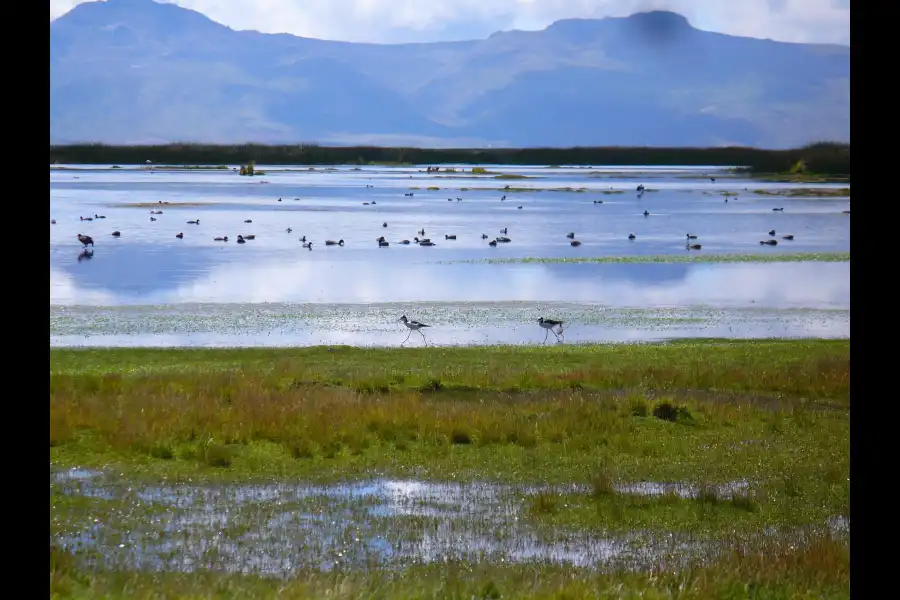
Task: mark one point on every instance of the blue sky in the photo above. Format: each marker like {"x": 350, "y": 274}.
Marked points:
{"x": 389, "y": 21}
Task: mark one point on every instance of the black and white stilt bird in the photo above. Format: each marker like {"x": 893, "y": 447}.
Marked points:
{"x": 551, "y": 325}
{"x": 413, "y": 326}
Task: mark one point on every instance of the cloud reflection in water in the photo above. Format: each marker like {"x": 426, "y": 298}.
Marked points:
{"x": 760, "y": 285}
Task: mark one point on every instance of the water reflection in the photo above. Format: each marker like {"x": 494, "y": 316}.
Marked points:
{"x": 762, "y": 285}
{"x": 163, "y": 290}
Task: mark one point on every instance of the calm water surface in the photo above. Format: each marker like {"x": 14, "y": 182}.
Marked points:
{"x": 150, "y": 288}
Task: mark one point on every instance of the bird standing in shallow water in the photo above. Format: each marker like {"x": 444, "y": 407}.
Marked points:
{"x": 550, "y": 325}
{"x": 85, "y": 240}
{"x": 413, "y": 326}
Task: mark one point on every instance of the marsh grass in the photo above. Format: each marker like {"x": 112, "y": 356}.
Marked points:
{"x": 673, "y": 258}
{"x": 163, "y": 205}
{"x": 778, "y": 570}
{"x": 806, "y": 192}
{"x": 513, "y": 190}
{"x": 771, "y": 413}
{"x": 240, "y": 410}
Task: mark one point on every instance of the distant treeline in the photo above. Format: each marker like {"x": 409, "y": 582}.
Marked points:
{"x": 821, "y": 158}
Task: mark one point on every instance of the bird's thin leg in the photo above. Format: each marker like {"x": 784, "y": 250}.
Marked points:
{"x": 407, "y": 337}
{"x": 423, "y": 337}
{"x": 546, "y": 335}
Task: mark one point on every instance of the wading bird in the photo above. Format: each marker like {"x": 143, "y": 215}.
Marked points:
{"x": 413, "y": 326}
{"x": 550, "y": 325}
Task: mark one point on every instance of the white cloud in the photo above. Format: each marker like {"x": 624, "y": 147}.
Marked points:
{"x": 389, "y": 21}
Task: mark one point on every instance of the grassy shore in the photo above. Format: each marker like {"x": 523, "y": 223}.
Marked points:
{"x": 774, "y": 414}
{"x": 818, "y": 571}
{"x": 819, "y": 159}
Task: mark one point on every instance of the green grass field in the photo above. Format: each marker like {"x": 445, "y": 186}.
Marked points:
{"x": 773, "y": 414}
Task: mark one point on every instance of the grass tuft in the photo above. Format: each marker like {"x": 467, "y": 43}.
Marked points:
{"x": 218, "y": 455}
{"x": 675, "y": 414}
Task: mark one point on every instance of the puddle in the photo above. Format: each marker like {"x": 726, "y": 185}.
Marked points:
{"x": 277, "y": 528}
{"x": 651, "y": 488}
{"x": 73, "y": 474}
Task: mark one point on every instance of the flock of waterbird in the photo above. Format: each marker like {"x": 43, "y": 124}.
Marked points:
{"x": 549, "y": 325}
{"x": 382, "y": 242}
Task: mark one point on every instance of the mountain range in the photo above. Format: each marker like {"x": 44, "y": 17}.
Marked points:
{"x": 135, "y": 71}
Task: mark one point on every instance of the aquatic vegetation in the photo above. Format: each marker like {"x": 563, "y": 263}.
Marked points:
{"x": 805, "y": 192}
{"x": 676, "y": 258}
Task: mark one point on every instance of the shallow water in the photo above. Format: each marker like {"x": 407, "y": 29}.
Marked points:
{"x": 182, "y": 281}
{"x": 222, "y": 325}
{"x": 278, "y": 528}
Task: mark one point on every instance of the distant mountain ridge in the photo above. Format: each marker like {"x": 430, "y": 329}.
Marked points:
{"x": 135, "y": 71}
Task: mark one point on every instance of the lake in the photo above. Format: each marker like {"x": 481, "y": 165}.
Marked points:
{"x": 150, "y": 288}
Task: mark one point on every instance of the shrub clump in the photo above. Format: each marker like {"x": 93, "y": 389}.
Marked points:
{"x": 675, "y": 414}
